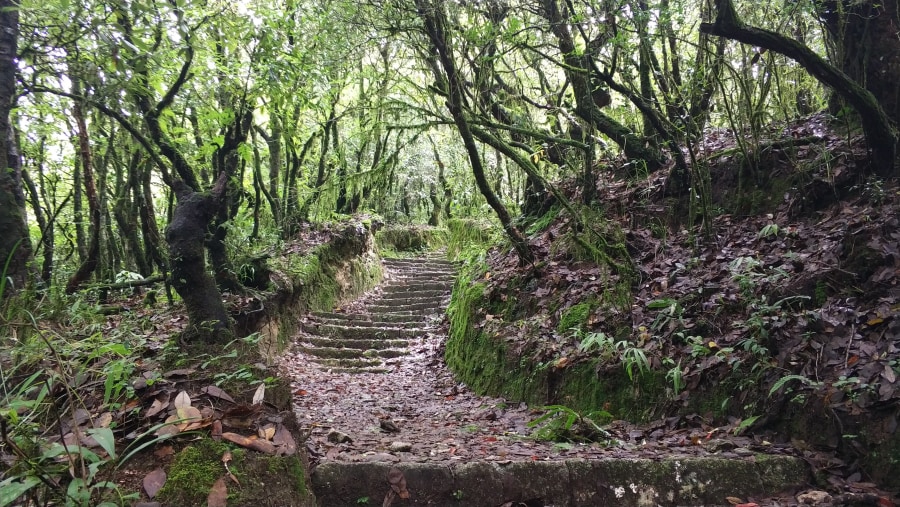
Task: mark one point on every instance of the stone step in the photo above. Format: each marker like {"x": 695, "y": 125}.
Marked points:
{"x": 338, "y": 353}
{"x": 355, "y": 343}
{"x": 413, "y": 309}
{"x": 365, "y": 322}
{"x": 404, "y": 299}
{"x": 421, "y": 296}
{"x": 356, "y": 362}
{"x": 358, "y": 371}
{"x": 681, "y": 480}
{"x": 419, "y": 261}
{"x": 362, "y": 332}
{"x": 431, "y": 285}
{"x": 356, "y": 317}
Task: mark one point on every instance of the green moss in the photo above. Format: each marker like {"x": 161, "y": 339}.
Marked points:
{"x": 576, "y": 316}
{"x": 400, "y": 240}
{"x": 195, "y": 469}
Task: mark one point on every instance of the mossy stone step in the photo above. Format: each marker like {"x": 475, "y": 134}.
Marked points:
{"x": 684, "y": 481}
{"x": 401, "y": 309}
{"x": 321, "y": 341}
{"x": 386, "y": 317}
{"x": 350, "y": 331}
{"x": 397, "y": 287}
{"x": 405, "y": 305}
{"x": 343, "y": 353}
{"x": 401, "y": 298}
{"x": 366, "y": 322}
{"x": 414, "y": 292}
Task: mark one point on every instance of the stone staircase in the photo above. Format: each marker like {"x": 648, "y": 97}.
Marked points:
{"x": 375, "y": 334}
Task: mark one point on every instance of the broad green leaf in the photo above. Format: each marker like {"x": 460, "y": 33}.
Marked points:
{"x": 11, "y": 489}
{"x": 104, "y": 437}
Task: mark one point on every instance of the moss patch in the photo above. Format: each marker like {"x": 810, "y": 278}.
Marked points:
{"x": 195, "y": 469}
{"x": 400, "y": 240}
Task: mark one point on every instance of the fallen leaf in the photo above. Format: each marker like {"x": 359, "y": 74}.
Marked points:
{"x": 285, "y": 441}
{"x": 217, "y": 392}
{"x": 218, "y": 494}
{"x": 217, "y": 430}
{"x": 154, "y": 481}
{"x": 182, "y": 400}
{"x": 389, "y": 498}
{"x": 259, "y": 394}
{"x": 183, "y": 372}
{"x": 733, "y": 500}
{"x": 162, "y": 452}
{"x": 159, "y": 404}
{"x": 104, "y": 420}
{"x": 266, "y": 432}
{"x": 398, "y": 482}
{"x": 169, "y": 426}
{"x": 226, "y": 457}
{"x": 189, "y": 417}
{"x": 254, "y": 443}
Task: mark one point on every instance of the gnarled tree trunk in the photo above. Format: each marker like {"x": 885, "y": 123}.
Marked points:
{"x": 186, "y": 237}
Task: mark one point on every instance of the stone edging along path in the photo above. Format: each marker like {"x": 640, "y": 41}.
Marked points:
{"x": 371, "y": 388}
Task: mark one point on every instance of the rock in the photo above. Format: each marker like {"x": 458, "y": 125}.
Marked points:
{"x": 339, "y": 437}
{"x": 814, "y": 497}
{"x": 400, "y": 447}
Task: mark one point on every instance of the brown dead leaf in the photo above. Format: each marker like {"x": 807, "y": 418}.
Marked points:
{"x": 182, "y": 372}
{"x": 260, "y": 394}
{"x": 266, "y": 432}
{"x": 153, "y": 482}
{"x": 217, "y": 430}
{"x": 398, "y": 482}
{"x": 389, "y": 498}
{"x": 182, "y": 400}
{"x": 285, "y": 441}
{"x": 189, "y": 416}
{"x": 103, "y": 420}
{"x": 170, "y": 426}
{"x": 218, "y": 494}
{"x": 162, "y": 452}
{"x": 254, "y": 443}
{"x": 159, "y": 404}
{"x": 226, "y": 457}
{"x": 733, "y": 500}
{"x": 217, "y": 392}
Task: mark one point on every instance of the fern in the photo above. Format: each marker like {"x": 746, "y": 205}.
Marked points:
{"x": 787, "y": 378}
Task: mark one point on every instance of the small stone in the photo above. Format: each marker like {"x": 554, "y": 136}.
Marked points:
{"x": 814, "y": 497}
{"x": 400, "y": 447}
{"x": 339, "y": 437}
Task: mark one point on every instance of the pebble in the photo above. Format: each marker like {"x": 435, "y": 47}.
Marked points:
{"x": 400, "y": 447}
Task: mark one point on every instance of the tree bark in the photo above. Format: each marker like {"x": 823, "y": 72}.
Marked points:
{"x": 92, "y": 260}
{"x": 432, "y": 16}
{"x": 186, "y": 236}
{"x": 15, "y": 244}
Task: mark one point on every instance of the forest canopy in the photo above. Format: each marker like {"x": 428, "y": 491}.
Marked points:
{"x": 149, "y": 138}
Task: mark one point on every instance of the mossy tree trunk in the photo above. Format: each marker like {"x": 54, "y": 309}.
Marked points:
{"x": 15, "y": 244}
{"x": 433, "y": 17}
{"x": 186, "y": 237}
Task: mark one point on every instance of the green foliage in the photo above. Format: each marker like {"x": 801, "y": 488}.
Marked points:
{"x": 576, "y": 316}
{"x": 399, "y": 240}
{"x": 561, "y": 423}
{"x": 469, "y": 238}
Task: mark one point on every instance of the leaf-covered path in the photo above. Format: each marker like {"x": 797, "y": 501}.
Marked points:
{"x": 371, "y": 387}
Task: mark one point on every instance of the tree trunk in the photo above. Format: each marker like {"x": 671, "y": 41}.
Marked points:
{"x": 186, "y": 236}
{"x": 867, "y": 37}
{"x": 877, "y": 125}
{"x": 15, "y": 244}
{"x": 92, "y": 260}
{"x": 433, "y": 18}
